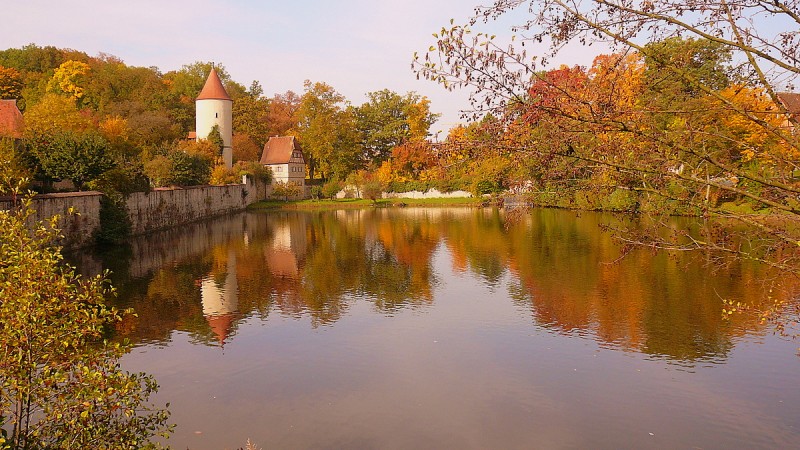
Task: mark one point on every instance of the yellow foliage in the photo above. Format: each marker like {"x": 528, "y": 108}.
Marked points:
{"x": 417, "y": 119}
{"x": 54, "y": 113}
{"x": 114, "y": 127}
{"x": 385, "y": 174}
{"x": 222, "y": 175}
{"x": 755, "y": 139}
{"x": 616, "y": 80}
{"x": 68, "y": 79}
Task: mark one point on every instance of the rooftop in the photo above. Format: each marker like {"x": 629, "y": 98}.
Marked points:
{"x": 279, "y": 149}
{"x": 11, "y": 121}
{"x": 213, "y": 89}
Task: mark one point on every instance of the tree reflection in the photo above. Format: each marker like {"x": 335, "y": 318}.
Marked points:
{"x": 562, "y": 268}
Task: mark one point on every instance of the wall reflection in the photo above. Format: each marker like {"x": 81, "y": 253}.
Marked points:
{"x": 206, "y": 278}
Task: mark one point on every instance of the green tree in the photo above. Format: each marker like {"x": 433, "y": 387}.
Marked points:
{"x": 250, "y": 115}
{"x": 215, "y": 138}
{"x": 79, "y": 157}
{"x": 388, "y": 120}
{"x": 327, "y": 129}
{"x": 61, "y": 385}
{"x": 181, "y": 164}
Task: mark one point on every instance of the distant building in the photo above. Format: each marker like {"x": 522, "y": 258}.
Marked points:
{"x": 285, "y": 157}
{"x": 11, "y": 122}
{"x": 791, "y": 102}
{"x": 214, "y": 107}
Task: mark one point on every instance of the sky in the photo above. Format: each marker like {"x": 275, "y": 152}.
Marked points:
{"x": 356, "y": 46}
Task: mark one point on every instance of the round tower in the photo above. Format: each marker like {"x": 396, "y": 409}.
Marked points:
{"x": 214, "y": 107}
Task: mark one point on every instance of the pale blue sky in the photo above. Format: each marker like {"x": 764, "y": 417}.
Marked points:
{"x": 356, "y": 46}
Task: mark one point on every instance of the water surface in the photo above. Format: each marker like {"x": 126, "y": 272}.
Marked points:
{"x": 449, "y": 328}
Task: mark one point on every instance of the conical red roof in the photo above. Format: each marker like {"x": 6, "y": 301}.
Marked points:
{"x": 213, "y": 89}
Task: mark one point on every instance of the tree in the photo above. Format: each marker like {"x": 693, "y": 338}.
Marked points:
{"x": 388, "y": 120}
{"x": 69, "y": 79}
{"x": 215, "y": 139}
{"x": 79, "y": 157}
{"x": 710, "y": 91}
{"x": 13, "y": 169}
{"x": 182, "y": 164}
{"x": 245, "y": 148}
{"x": 328, "y": 132}
{"x": 372, "y": 190}
{"x": 10, "y": 83}
{"x": 52, "y": 114}
{"x": 250, "y": 115}
{"x": 331, "y": 188}
{"x": 282, "y": 115}
{"x": 285, "y": 190}
{"x": 60, "y": 383}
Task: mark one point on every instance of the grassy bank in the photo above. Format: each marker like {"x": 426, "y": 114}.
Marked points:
{"x": 363, "y": 203}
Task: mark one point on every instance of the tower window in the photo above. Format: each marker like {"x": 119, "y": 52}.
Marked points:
{"x": 216, "y": 115}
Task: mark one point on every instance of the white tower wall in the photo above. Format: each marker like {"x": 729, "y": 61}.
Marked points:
{"x": 212, "y": 112}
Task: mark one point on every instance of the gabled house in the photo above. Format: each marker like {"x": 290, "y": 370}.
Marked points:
{"x": 791, "y": 102}
{"x": 285, "y": 157}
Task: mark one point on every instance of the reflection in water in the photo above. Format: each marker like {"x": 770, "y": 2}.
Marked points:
{"x": 564, "y": 270}
{"x": 219, "y": 293}
{"x": 448, "y": 328}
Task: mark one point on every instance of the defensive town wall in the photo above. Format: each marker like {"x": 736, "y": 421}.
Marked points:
{"x": 158, "y": 209}
{"x": 78, "y": 214}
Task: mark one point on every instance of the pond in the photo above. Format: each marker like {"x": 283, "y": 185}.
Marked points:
{"x": 448, "y": 328}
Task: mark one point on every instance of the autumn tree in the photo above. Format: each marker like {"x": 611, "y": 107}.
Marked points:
{"x": 388, "y": 120}
{"x": 70, "y": 79}
{"x": 327, "y": 129}
{"x": 245, "y": 148}
{"x": 61, "y": 385}
{"x": 718, "y": 45}
{"x": 282, "y": 115}
{"x": 54, "y": 113}
{"x": 250, "y": 115}
{"x": 10, "y": 83}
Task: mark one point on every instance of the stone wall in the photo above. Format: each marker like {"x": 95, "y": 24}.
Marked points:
{"x": 77, "y": 227}
{"x": 433, "y": 193}
{"x": 169, "y": 207}
{"x": 148, "y": 211}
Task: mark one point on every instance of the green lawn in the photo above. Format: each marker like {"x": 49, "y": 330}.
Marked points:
{"x": 361, "y": 203}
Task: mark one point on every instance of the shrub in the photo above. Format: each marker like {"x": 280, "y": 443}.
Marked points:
{"x": 60, "y": 384}
{"x": 331, "y": 188}
{"x": 372, "y": 190}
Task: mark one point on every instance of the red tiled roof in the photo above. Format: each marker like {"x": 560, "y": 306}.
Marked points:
{"x": 11, "y": 121}
{"x": 213, "y": 89}
{"x": 791, "y": 101}
{"x": 278, "y": 150}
